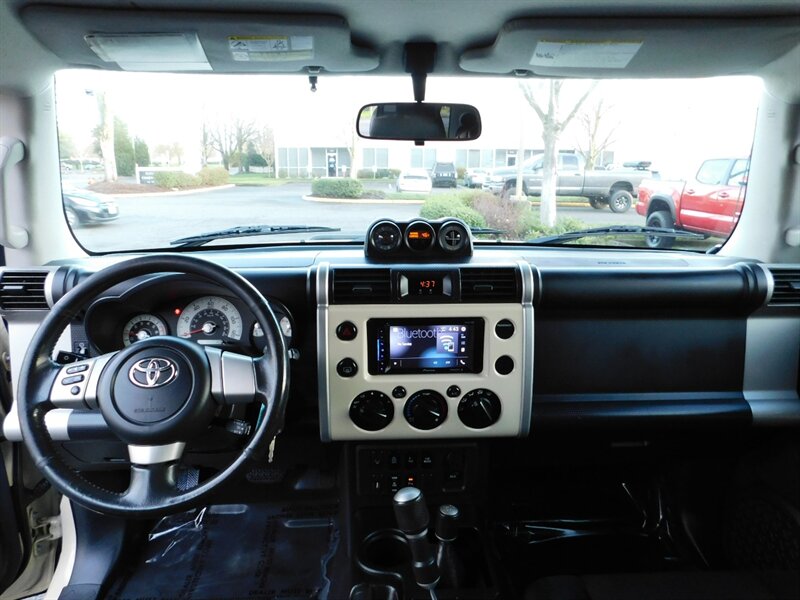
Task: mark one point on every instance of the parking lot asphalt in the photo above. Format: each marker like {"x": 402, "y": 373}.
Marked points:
{"x": 153, "y": 221}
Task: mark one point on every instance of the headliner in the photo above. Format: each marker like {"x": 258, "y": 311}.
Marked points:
{"x": 383, "y": 26}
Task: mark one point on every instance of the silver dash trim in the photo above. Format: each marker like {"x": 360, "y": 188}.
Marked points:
{"x": 49, "y": 282}
{"x": 527, "y": 348}
{"x": 770, "y": 282}
{"x": 323, "y": 274}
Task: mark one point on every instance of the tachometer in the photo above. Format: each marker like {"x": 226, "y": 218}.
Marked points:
{"x": 210, "y": 320}
{"x": 142, "y": 327}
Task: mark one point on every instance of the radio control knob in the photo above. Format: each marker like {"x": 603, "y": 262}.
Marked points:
{"x": 372, "y": 410}
{"x": 425, "y": 410}
{"x": 479, "y": 408}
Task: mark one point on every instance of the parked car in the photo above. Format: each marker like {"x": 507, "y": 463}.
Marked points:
{"x": 711, "y": 203}
{"x": 85, "y": 208}
{"x": 414, "y": 180}
{"x": 443, "y": 174}
{"x": 475, "y": 178}
{"x": 602, "y": 187}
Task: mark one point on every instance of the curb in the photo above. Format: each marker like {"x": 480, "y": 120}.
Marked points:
{"x": 359, "y": 201}
{"x": 176, "y": 193}
{"x": 578, "y": 204}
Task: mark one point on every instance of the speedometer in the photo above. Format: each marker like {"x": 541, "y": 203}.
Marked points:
{"x": 142, "y": 327}
{"x": 210, "y": 320}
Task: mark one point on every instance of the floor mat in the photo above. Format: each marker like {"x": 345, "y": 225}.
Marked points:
{"x": 236, "y": 552}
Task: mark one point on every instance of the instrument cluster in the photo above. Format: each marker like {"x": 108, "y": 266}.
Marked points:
{"x": 209, "y": 319}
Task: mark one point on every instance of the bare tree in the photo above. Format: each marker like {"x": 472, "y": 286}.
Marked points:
{"x": 176, "y": 152}
{"x": 230, "y": 137}
{"x": 549, "y": 110}
{"x": 170, "y": 151}
{"x": 597, "y": 131}
{"x": 206, "y": 147}
{"x": 264, "y": 142}
{"x": 105, "y": 133}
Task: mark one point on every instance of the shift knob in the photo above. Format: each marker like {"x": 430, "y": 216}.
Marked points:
{"x": 413, "y": 519}
{"x": 447, "y": 523}
{"x": 410, "y": 510}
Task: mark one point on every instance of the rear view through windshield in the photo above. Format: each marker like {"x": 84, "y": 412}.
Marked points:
{"x": 149, "y": 160}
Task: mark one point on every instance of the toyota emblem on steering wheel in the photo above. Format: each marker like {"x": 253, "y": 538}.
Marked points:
{"x": 153, "y": 372}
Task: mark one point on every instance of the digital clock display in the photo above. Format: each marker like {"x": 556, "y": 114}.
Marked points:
{"x": 422, "y": 285}
{"x": 419, "y": 285}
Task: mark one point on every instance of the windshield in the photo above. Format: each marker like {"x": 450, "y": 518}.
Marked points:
{"x": 149, "y": 160}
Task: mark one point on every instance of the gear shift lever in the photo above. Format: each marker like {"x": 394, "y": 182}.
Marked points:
{"x": 413, "y": 520}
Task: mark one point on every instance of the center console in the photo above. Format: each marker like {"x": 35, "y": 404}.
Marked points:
{"x": 413, "y": 353}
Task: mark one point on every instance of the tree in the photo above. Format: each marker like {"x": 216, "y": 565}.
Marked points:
{"x": 265, "y": 145}
{"x": 66, "y": 146}
{"x": 251, "y": 158}
{"x": 141, "y": 153}
{"x": 104, "y": 134}
{"x": 176, "y": 152}
{"x": 206, "y": 148}
{"x": 229, "y": 138}
{"x": 553, "y": 125}
{"x": 597, "y": 133}
{"x": 123, "y": 149}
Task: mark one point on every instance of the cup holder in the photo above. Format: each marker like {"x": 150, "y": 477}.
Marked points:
{"x": 371, "y": 591}
{"x": 384, "y": 552}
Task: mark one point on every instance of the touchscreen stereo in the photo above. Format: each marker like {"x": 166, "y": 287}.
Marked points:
{"x": 413, "y": 346}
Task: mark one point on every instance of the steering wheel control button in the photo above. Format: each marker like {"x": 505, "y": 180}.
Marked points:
{"x": 346, "y": 331}
{"x": 72, "y": 379}
{"x": 453, "y": 391}
{"x": 399, "y": 392}
{"x": 504, "y": 365}
{"x": 425, "y": 410}
{"x": 371, "y": 411}
{"x": 347, "y": 367}
{"x": 74, "y": 390}
{"x": 504, "y": 329}
{"x": 479, "y": 409}
{"x": 77, "y": 369}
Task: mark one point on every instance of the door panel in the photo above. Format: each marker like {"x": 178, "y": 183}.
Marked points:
{"x": 570, "y": 176}
{"x": 699, "y": 202}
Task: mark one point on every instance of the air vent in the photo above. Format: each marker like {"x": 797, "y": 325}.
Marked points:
{"x": 361, "y": 286}
{"x": 490, "y": 285}
{"x": 23, "y": 290}
{"x": 787, "y": 287}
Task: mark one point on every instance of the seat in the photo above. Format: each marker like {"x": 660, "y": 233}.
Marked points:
{"x": 732, "y": 585}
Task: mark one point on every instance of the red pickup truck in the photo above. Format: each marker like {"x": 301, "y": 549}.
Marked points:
{"x": 711, "y": 203}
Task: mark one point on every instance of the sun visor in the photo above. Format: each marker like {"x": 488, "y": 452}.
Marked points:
{"x": 622, "y": 48}
{"x": 223, "y": 43}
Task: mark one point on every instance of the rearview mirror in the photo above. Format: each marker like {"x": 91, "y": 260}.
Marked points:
{"x": 419, "y": 121}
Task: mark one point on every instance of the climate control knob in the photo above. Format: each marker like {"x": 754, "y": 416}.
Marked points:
{"x": 425, "y": 410}
{"x": 479, "y": 408}
{"x": 372, "y": 410}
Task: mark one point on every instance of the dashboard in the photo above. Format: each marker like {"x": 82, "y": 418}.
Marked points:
{"x": 491, "y": 341}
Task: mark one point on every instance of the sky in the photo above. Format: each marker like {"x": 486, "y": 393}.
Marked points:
{"x": 676, "y": 124}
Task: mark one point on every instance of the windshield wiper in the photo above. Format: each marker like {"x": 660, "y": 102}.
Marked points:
{"x": 562, "y": 238}
{"x": 486, "y": 231}
{"x": 245, "y": 231}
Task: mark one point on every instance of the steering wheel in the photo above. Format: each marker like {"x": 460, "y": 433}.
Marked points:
{"x": 155, "y": 395}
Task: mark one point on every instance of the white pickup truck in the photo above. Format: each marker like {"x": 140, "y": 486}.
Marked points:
{"x": 615, "y": 188}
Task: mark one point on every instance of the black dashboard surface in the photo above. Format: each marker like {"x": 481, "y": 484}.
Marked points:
{"x": 621, "y": 338}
